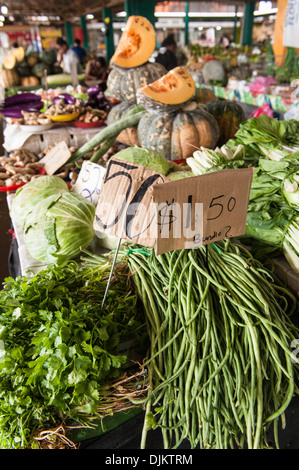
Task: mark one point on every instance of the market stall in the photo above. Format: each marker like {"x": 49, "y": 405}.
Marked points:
{"x": 158, "y": 288}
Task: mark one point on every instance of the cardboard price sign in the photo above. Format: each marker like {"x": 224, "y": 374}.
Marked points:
{"x": 202, "y": 209}
{"x": 125, "y": 205}
{"x": 56, "y": 158}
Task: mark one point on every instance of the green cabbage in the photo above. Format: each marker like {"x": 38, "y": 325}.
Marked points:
{"x": 179, "y": 175}
{"x": 149, "y": 158}
{"x": 58, "y": 227}
{"x": 31, "y": 193}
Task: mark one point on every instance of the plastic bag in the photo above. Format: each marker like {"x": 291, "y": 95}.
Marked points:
{"x": 265, "y": 109}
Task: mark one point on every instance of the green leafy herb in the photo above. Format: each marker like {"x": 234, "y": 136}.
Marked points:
{"x": 60, "y": 346}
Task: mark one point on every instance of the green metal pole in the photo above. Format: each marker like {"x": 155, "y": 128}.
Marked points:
{"x": 68, "y": 33}
{"x": 109, "y": 42}
{"x": 186, "y": 23}
{"x": 85, "y": 33}
{"x": 130, "y": 8}
{"x": 248, "y": 23}
{"x": 142, "y": 8}
{"x": 235, "y": 24}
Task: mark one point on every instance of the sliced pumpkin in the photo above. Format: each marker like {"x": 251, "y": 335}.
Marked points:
{"x": 9, "y": 62}
{"x": 19, "y": 54}
{"x": 175, "y": 87}
{"x": 137, "y": 43}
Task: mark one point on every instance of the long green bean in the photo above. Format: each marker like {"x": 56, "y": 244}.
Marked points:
{"x": 220, "y": 329}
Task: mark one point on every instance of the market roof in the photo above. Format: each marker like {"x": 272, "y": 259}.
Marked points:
{"x": 59, "y": 11}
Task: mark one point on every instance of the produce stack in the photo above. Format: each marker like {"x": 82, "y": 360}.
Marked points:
{"x": 27, "y": 70}
{"x": 131, "y": 70}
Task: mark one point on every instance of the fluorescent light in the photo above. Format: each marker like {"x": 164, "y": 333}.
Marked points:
{"x": 271, "y": 11}
{"x": 170, "y": 14}
{"x": 121, "y": 13}
{"x": 199, "y": 14}
{"x": 1, "y": 24}
{"x": 208, "y": 14}
{"x": 4, "y": 10}
{"x": 2, "y": 18}
{"x": 89, "y": 16}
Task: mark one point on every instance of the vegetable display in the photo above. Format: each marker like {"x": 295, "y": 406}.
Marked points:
{"x": 177, "y": 134}
{"x": 220, "y": 363}
{"x": 129, "y": 135}
{"x": 270, "y": 146}
{"x": 62, "y": 350}
{"x": 149, "y": 158}
{"x": 57, "y": 223}
{"x": 122, "y": 84}
{"x": 174, "y": 88}
{"x": 59, "y": 227}
{"x": 27, "y": 197}
{"x": 20, "y": 167}
{"x": 14, "y": 105}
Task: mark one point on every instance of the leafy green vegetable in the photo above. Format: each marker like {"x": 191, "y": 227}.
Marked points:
{"x": 60, "y": 346}
{"x": 267, "y": 137}
{"x": 58, "y": 227}
{"x": 291, "y": 245}
{"x": 291, "y": 190}
{"x": 31, "y": 193}
{"x": 178, "y": 175}
{"x": 204, "y": 159}
{"x": 149, "y": 158}
{"x": 274, "y": 193}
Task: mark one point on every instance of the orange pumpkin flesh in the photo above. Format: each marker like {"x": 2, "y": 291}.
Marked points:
{"x": 175, "y": 87}
{"x": 137, "y": 43}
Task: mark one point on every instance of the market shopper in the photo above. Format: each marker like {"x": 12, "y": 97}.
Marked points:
{"x": 80, "y": 51}
{"x": 67, "y": 56}
{"x": 167, "y": 53}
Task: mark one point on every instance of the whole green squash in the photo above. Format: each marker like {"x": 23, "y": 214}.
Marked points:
{"x": 178, "y": 134}
{"x": 229, "y": 115}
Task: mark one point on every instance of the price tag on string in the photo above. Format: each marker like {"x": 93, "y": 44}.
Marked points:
{"x": 202, "y": 209}
{"x": 90, "y": 180}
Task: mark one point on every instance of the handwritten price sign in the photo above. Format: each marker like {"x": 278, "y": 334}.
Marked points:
{"x": 125, "y": 208}
{"x": 203, "y": 209}
{"x": 144, "y": 207}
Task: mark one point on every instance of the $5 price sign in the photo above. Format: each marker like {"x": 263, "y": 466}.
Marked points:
{"x": 125, "y": 208}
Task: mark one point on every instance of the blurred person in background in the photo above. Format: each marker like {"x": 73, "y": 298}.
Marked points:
{"x": 80, "y": 51}
{"x": 67, "y": 56}
{"x": 167, "y": 53}
{"x": 97, "y": 69}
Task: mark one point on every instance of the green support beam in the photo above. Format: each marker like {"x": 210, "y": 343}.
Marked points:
{"x": 142, "y": 8}
{"x": 68, "y": 33}
{"x": 235, "y": 23}
{"x": 186, "y": 23}
{"x": 248, "y": 24}
{"x": 109, "y": 41}
{"x": 85, "y": 33}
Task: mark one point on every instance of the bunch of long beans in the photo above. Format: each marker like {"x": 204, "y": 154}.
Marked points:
{"x": 220, "y": 363}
